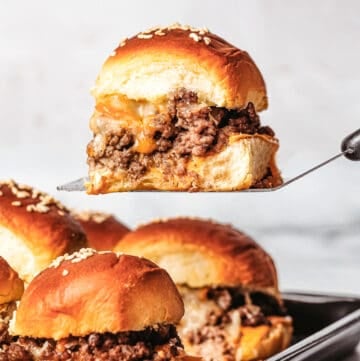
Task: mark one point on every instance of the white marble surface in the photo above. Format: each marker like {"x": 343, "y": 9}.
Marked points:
{"x": 309, "y": 54}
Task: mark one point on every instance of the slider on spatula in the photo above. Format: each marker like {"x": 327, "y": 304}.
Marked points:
{"x": 176, "y": 108}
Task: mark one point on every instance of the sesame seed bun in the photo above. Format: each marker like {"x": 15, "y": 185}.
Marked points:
{"x": 150, "y": 65}
{"x": 92, "y": 292}
{"x": 34, "y": 229}
{"x": 103, "y": 231}
{"x": 11, "y": 286}
{"x": 201, "y": 253}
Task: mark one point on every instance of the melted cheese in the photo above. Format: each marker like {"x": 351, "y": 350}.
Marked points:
{"x": 114, "y": 111}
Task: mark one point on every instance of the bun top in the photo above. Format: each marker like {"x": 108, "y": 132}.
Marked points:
{"x": 11, "y": 286}
{"x": 103, "y": 231}
{"x": 201, "y": 253}
{"x": 150, "y": 65}
{"x": 97, "y": 292}
{"x": 34, "y": 229}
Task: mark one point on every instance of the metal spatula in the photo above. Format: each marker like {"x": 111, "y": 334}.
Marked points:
{"x": 350, "y": 148}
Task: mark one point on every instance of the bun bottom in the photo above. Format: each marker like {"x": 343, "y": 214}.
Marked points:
{"x": 245, "y": 161}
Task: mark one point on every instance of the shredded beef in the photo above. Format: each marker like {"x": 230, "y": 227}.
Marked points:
{"x": 125, "y": 346}
{"x": 188, "y": 128}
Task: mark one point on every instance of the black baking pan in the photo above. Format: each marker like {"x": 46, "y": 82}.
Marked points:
{"x": 326, "y": 327}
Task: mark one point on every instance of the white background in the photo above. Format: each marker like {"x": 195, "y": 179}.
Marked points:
{"x": 309, "y": 53}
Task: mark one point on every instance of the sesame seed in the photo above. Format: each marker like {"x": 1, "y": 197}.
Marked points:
{"x": 35, "y": 193}
{"x": 23, "y": 194}
{"x": 41, "y": 208}
{"x": 1, "y": 193}
{"x": 65, "y": 272}
{"x": 61, "y": 213}
{"x": 122, "y": 42}
{"x": 97, "y": 217}
{"x": 160, "y": 33}
{"x": 207, "y": 40}
{"x": 174, "y": 26}
{"x": 30, "y": 208}
{"x": 150, "y": 30}
{"x": 113, "y": 53}
{"x": 16, "y": 203}
{"x": 195, "y": 37}
{"x": 144, "y": 36}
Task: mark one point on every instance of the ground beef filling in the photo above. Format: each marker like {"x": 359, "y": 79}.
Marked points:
{"x": 125, "y": 346}
{"x": 223, "y": 305}
{"x": 187, "y": 129}
{"x": 6, "y": 312}
{"x": 253, "y": 307}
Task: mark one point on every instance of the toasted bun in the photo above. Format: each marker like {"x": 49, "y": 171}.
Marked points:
{"x": 103, "y": 231}
{"x": 34, "y": 229}
{"x": 245, "y": 161}
{"x": 261, "y": 342}
{"x": 201, "y": 253}
{"x": 11, "y": 286}
{"x": 92, "y": 292}
{"x": 152, "y": 64}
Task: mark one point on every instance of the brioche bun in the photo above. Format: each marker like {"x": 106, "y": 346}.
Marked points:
{"x": 103, "y": 231}
{"x": 34, "y": 229}
{"x": 202, "y": 253}
{"x": 11, "y": 286}
{"x": 97, "y": 292}
{"x": 152, "y": 64}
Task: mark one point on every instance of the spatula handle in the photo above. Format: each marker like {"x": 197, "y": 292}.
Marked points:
{"x": 351, "y": 145}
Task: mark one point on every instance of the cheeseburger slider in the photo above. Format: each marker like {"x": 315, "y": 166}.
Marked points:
{"x": 11, "y": 289}
{"x": 34, "y": 229}
{"x": 176, "y": 109}
{"x": 233, "y": 308}
{"x": 98, "y": 306}
{"x": 103, "y": 231}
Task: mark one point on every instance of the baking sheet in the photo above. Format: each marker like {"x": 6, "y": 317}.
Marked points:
{"x": 326, "y": 327}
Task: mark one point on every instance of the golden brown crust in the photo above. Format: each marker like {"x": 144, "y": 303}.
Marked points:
{"x": 261, "y": 342}
{"x": 11, "y": 286}
{"x": 219, "y": 72}
{"x": 34, "y": 222}
{"x": 202, "y": 253}
{"x": 93, "y": 292}
{"x": 103, "y": 231}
